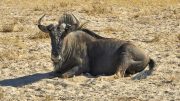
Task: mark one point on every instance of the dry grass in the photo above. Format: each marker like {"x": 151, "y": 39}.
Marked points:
{"x": 92, "y": 7}
{"x": 48, "y": 98}
{"x": 1, "y": 96}
{"x": 7, "y": 28}
{"x": 178, "y": 36}
{"x": 171, "y": 78}
{"x": 10, "y": 25}
{"x": 8, "y": 55}
{"x": 4, "y": 65}
{"x": 155, "y": 39}
{"x": 12, "y": 54}
{"x": 98, "y": 7}
{"x": 13, "y": 42}
{"x": 67, "y": 3}
{"x": 39, "y": 35}
{"x": 128, "y": 99}
{"x": 146, "y": 7}
{"x": 11, "y": 28}
{"x": 38, "y": 5}
{"x": 145, "y": 3}
{"x": 13, "y": 49}
{"x": 109, "y": 30}
{"x": 29, "y": 51}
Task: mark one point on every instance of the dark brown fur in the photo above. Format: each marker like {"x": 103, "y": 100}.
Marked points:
{"x": 76, "y": 50}
{"x": 101, "y": 56}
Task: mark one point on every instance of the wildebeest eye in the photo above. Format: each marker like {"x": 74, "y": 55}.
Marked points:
{"x": 58, "y": 28}
{"x": 68, "y": 25}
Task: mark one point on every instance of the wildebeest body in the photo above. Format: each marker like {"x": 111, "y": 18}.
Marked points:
{"x": 101, "y": 57}
{"x": 76, "y": 50}
{"x": 105, "y": 57}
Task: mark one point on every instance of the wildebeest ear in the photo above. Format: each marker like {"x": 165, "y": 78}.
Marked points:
{"x": 43, "y": 28}
{"x": 50, "y": 27}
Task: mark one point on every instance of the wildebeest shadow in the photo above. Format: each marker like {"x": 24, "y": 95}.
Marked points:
{"x": 29, "y": 79}
{"x": 25, "y": 80}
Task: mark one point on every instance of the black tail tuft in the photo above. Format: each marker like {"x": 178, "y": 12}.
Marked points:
{"x": 152, "y": 64}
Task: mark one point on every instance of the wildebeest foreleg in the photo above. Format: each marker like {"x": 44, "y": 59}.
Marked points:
{"x": 77, "y": 70}
{"x": 71, "y": 72}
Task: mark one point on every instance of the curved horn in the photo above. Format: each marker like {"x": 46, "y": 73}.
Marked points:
{"x": 42, "y": 27}
{"x": 76, "y": 20}
{"x": 39, "y": 21}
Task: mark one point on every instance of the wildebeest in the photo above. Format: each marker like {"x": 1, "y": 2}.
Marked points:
{"x": 76, "y": 50}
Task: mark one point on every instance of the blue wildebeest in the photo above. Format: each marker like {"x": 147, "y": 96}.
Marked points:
{"x": 77, "y": 50}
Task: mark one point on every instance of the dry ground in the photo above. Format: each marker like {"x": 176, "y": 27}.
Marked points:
{"x": 25, "y": 65}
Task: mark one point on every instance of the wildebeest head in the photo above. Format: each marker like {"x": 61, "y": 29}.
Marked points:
{"x": 67, "y": 23}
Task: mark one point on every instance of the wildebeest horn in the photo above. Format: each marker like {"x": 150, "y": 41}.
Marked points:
{"x": 42, "y": 27}
{"x": 70, "y": 20}
{"x": 76, "y": 21}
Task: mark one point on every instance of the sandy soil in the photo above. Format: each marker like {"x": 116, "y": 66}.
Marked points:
{"x": 25, "y": 65}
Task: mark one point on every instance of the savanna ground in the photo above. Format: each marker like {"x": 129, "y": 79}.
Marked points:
{"x": 25, "y": 65}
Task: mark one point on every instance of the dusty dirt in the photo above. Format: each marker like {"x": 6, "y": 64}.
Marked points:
{"x": 25, "y": 65}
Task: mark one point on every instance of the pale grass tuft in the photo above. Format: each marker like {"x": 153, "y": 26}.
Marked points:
{"x": 18, "y": 27}
{"x": 11, "y": 25}
{"x": 171, "y": 78}
{"x": 64, "y": 4}
{"x": 11, "y": 28}
{"x": 48, "y": 98}
{"x": 7, "y": 28}
{"x": 37, "y": 8}
{"x": 145, "y": 20}
{"x": 155, "y": 39}
{"x": 4, "y": 65}
{"x": 98, "y": 7}
{"x": 109, "y": 30}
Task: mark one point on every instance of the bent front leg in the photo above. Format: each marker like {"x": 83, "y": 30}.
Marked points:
{"x": 73, "y": 72}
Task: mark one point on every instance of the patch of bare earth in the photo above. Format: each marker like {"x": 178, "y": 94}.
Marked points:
{"x": 25, "y": 65}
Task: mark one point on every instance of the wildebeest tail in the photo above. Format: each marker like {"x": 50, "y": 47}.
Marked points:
{"x": 152, "y": 64}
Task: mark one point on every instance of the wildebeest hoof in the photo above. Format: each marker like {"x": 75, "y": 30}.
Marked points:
{"x": 117, "y": 76}
{"x": 67, "y": 75}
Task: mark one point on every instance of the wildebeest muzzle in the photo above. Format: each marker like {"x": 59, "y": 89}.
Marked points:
{"x": 56, "y": 59}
